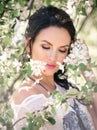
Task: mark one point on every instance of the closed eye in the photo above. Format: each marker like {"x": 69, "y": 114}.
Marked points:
{"x": 45, "y": 47}
{"x": 64, "y": 51}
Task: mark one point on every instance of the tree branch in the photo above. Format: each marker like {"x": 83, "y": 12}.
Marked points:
{"x": 30, "y": 6}
{"x": 9, "y": 91}
{"x": 85, "y": 19}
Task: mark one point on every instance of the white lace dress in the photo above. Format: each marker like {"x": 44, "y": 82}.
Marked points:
{"x": 65, "y": 119}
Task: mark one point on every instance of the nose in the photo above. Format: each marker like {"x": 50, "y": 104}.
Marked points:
{"x": 53, "y": 56}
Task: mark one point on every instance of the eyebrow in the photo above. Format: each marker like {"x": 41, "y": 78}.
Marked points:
{"x": 52, "y": 44}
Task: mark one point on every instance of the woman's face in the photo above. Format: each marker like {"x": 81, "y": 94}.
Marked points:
{"x": 51, "y": 46}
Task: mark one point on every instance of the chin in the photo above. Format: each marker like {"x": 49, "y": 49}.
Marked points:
{"x": 49, "y": 73}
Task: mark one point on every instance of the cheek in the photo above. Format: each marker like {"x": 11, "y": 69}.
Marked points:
{"x": 62, "y": 57}
{"x": 37, "y": 54}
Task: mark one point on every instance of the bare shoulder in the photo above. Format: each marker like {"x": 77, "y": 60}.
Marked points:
{"x": 24, "y": 91}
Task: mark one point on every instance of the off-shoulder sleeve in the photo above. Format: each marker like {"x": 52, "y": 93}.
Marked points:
{"x": 30, "y": 104}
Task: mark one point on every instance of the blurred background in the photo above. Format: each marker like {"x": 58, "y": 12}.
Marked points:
{"x": 89, "y": 34}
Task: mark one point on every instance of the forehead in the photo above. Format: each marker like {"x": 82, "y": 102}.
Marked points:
{"x": 54, "y": 35}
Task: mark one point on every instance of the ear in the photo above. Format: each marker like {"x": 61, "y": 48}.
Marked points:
{"x": 27, "y": 44}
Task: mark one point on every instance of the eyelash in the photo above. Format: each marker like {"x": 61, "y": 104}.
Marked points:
{"x": 45, "y": 47}
{"x": 62, "y": 51}
{"x": 65, "y": 51}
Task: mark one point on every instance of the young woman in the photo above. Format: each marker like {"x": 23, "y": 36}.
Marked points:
{"x": 49, "y": 35}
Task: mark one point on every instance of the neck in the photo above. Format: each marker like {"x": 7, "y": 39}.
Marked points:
{"x": 48, "y": 83}
{"x": 48, "y": 79}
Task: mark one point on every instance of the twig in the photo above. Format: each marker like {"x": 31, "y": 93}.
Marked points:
{"x": 30, "y": 4}
{"x": 18, "y": 121}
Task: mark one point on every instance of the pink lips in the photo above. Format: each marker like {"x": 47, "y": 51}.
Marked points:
{"x": 51, "y": 66}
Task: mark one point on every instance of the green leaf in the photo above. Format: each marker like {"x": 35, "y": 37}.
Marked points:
{"x": 1, "y": 7}
{"x": 7, "y": 39}
{"x": 53, "y": 110}
{"x": 10, "y": 4}
{"x": 95, "y": 89}
{"x": 40, "y": 120}
{"x": 62, "y": 1}
{"x": 26, "y": 70}
{"x": 84, "y": 11}
{"x": 22, "y": 2}
{"x": 82, "y": 67}
{"x": 95, "y": 2}
{"x": 54, "y": 93}
{"x": 71, "y": 67}
{"x": 72, "y": 92}
{"x": 2, "y": 120}
{"x": 88, "y": 99}
{"x": 48, "y": 2}
{"x": 31, "y": 124}
{"x": 23, "y": 128}
{"x": 84, "y": 89}
{"x": 90, "y": 84}
{"x": 51, "y": 120}
{"x": 14, "y": 13}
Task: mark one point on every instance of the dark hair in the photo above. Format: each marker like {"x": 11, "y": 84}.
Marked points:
{"x": 50, "y": 16}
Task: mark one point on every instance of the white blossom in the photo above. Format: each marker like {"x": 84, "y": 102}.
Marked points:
{"x": 61, "y": 67}
{"x": 3, "y": 57}
{"x": 18, "y": 32}
{"x": 17, "y": 65}
{"x": 37, "y": 81}
{"x": 37, "y": 67}
{"x": 5, "y": 54}
{"x": 78, "y": 53}
{"x": 48, "y": 103}
{"x": 88, "y": 74}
